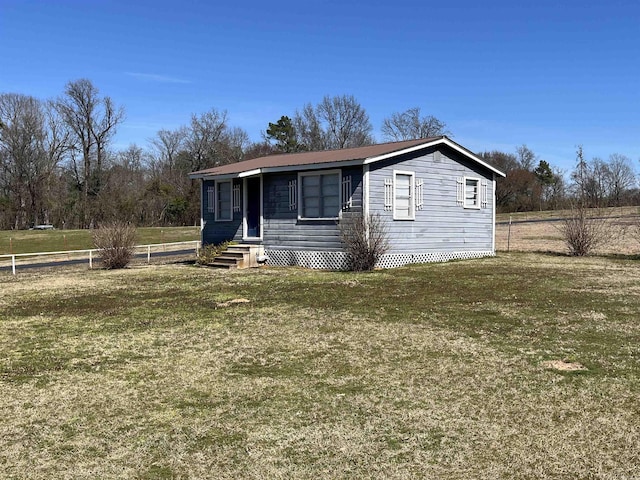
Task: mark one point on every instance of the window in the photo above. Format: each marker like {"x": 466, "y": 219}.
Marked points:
{"x": 319, "y": 195}
{"x": 403, "y": 198}
{"x": 224, "y": 202}
{"x": 471, "y": 193}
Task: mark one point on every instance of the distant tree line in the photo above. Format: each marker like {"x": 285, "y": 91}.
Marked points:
{"x": 58, "y": 164}
{"x": 533, "y": 184}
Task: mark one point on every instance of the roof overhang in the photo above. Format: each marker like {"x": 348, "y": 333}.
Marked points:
{"x": 348, "y": 163}
{"x": 287, "y": 168}
{"x": 440, "y": 141}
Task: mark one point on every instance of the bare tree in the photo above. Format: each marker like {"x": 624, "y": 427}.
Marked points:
{"x": 92, "y": 121}
{"x": 336, "y": 122}
{"x": 166, "y": 146}
{"x": 409, "y": 124}
{"x": 526, "y": 158}
{"x": 309, "y": 130}
{"x": 235, "y": 141}
{"x": 204, "y": 138}
{"x": 32, "y": 144}
{"x": 584, "y": 230}
{"x": 347, "y": 123}
{"x": 621, "y": 177}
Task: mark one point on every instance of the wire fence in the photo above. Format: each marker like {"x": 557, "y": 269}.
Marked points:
{"x": 91, "y": 255}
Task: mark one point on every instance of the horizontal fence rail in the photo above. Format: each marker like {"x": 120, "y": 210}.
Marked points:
{"x": 92, "y": 251}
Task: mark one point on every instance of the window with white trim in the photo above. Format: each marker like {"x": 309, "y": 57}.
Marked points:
{"x": 319, "y": 195}
{"x": 224, "y": 203}
{"x": 471, "y": 192}
{"x": 403, "y": 195}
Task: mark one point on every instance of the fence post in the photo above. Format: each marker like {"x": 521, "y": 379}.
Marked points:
{"x": 90, "y": 259}
{"x": 509, "y": 236}
{"x": 148, "y": 254}
{"x": 13, "y": 264}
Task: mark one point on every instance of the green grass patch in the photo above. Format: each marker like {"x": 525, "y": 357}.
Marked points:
{"x": 437, "y": 371}
{"x": 33, "y": 241}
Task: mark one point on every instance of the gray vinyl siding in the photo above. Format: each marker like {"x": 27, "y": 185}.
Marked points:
{"x": 442, "y": 225}
{"x": 283, "y": 230}
{"x": 216, "y": 231}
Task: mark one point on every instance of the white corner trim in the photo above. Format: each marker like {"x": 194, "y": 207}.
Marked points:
{"x": 365, "y": 188}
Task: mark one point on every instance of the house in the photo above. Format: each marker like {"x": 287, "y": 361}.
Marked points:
{"x": 436, "y": 199}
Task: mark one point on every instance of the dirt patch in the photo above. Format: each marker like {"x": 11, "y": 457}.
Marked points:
{"x": 235, "y": 301}
{"x": 563, "y": 366}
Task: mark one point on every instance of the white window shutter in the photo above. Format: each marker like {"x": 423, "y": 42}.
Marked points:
{"x": 419, "y": 194}
{"x": 211, "y": 199}
{"x": 293, "y": 194}
{"x": 236, "y": 197}
{"x": 460, "y": 191}
{"x": 347, "y": 201}
{"x": 484, "y": 194}
{"x": 388, "y": 194}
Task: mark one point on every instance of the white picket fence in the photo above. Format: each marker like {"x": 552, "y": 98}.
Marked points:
{"x": 90, "y": 253}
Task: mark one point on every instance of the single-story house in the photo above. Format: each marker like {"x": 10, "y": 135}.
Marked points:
{"x": 435, "y": 197}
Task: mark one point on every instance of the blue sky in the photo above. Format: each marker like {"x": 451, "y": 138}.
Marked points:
{"x": 549, "y": 74}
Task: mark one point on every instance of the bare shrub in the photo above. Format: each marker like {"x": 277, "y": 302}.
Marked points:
{"x": 584, "y": 230}
{"x": 115, "y": 241}
{"x": 208, "y": 253}
{"x": 365, "y": 240}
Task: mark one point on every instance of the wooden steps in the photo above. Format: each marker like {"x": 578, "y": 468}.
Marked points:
{"x": 235, "y": 256}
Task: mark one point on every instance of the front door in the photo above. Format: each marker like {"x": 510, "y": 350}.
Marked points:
{"x": 253, "y": 211}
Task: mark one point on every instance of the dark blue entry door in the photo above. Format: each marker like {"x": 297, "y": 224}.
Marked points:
{"x": 254, "y": 199}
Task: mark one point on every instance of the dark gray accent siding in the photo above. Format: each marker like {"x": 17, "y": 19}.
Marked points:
{"x": 283, "y": 230}
{"x": 218, "y": 232}
{"x": 442, "y": 225}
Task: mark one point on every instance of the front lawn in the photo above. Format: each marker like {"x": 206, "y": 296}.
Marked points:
{"x": 431, "y": 371}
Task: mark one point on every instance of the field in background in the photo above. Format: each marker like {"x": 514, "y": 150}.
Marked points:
{"x": 30, "y": 241}
{"x": 546, "y": 236}
{"x": 451, "y": 370}
{"x": 556, "y": 214}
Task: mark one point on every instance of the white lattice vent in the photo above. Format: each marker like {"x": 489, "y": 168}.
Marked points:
{"x": 394, "y": 260}
{"x": 307, "y": 259}
{"x": 338, "y": 260}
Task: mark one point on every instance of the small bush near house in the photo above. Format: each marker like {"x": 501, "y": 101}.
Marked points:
{"x": 365, "y": 239}
{"x": 115, "y": 241}
{"x": 208, "y": 253}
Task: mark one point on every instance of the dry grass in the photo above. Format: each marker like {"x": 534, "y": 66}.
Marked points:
{"x": 547, "y": 237}
{"x": 434, "y": 371}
